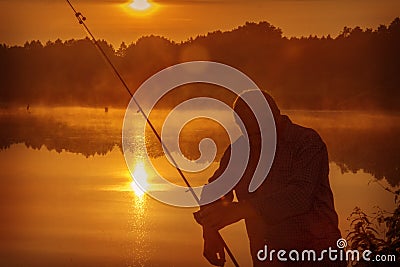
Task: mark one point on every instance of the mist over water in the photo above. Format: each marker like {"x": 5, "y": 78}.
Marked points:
{"x": 356, "y": 140}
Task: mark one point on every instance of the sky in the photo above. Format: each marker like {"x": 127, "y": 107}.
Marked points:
{"x": 114, "y": 21}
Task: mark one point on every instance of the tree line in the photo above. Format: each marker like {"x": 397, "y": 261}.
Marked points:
{"x": 358, "y": 69}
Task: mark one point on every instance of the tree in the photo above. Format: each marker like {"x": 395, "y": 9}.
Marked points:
{"x": 121, "y": 52}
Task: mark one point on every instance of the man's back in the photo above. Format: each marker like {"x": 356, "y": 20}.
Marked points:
{"x": 295, "y": 203}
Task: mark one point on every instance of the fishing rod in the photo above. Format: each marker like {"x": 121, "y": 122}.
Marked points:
{"x": 81, "y": 20}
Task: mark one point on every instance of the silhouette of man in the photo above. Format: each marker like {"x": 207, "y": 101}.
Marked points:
{"x": 292, "y": 210}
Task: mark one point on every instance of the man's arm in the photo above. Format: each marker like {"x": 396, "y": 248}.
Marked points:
{"x": 222, "y": 166}
{"x": 213, "y": 248}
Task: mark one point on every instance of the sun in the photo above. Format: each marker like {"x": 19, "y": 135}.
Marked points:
{"x": 139, "y": 8}
{"x": 140, "y": 5}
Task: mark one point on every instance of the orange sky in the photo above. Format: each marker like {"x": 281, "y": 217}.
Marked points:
{"x": 23, "y": 20}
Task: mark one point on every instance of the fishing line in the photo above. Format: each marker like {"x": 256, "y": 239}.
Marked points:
{"x": 81, "y": 20}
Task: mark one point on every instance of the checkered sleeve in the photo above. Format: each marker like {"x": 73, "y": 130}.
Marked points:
{"x": 309, "y": 166}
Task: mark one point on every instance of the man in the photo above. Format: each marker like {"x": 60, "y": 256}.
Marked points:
{"x": 292, "y": 210}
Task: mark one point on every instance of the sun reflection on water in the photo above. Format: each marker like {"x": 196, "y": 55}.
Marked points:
{"x": 139, "y": 247}
{"x": 140, "y": 177}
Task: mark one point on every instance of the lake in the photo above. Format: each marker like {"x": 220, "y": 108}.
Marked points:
{"x": 67, "y": 197}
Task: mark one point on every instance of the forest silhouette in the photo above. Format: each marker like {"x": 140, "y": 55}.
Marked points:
{"x": 358, "y": 69}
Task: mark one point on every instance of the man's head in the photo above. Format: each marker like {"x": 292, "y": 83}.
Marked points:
{"x": 246, "y": 114}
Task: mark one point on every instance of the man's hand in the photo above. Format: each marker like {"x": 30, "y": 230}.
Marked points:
{"x": 213, "y": 249}
{"x": 220, "y": 215}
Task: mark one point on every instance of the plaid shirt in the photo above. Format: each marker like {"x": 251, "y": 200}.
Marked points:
{"x": 295, "y": 203}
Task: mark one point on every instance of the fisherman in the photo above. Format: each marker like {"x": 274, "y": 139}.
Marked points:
{"x": 292, "y": 210}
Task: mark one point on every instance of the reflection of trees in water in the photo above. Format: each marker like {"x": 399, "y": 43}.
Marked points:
{"x": 36, "y": 132}
{"x": 373, "y": 150}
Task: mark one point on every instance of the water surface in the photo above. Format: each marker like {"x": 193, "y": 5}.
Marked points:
{"x": 67, "y": 198}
